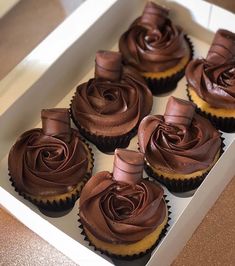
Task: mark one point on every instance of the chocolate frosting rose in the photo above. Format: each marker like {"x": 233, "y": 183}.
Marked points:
{"x": 51, "y": 160}
{"x": 115, "y": 101}
{"x": 119, "y": 209}
{"x": 213, "y": 78}
{"x": 153, "y": 43}
{"x": 213, "y": 83}
{"x": 180, "y": 141}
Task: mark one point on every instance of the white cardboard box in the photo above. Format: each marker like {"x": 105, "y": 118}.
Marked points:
{"x": 47, "y": 77}
{"x": 6, "y": 6}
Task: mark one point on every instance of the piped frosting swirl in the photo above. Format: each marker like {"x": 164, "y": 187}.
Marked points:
{"x": 115, "y": 101}
{"x": 153, "y": 43}
{"x": 121, "y": 207}
{"x": 51, "y": 160}
{"x": 184, "y": 145}
{"x": 213, "y": 78}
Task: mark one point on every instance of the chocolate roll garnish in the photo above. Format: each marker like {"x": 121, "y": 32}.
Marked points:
{"x": 179, "y": 112}
{"x": 128, "y": 166}
{"x": 108, "y": 65}
{"x": 154, "y": 14}
{"x": 56, "y": 123}
{"x": 222, "y": 48}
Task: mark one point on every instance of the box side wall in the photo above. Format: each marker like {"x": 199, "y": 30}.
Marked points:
{"x": 194, "y": 16}
{"x": 221, "y": 18}
{"x": 202, "y": 201}
{"x": 64, "y": 73}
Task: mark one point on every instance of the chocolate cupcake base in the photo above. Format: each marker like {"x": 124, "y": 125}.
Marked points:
{"x": 136, "y": 256}
{"x": 165, "y": 85}
{"x": 104, "y": 143}
{"x": 226, "y": 124}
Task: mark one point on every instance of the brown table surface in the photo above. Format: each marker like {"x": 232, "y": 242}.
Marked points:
{"x": 213, "y": 243}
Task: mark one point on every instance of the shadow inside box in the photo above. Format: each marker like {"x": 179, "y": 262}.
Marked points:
{"x": 186, "y": 19}
{"x": 135, "y": 262}
{"x": 184, "y": 194}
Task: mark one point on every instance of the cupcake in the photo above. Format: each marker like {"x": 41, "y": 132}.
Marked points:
{"x": 211, "y": 82}
{"x": 156, "y": 48}
{"x": 109, "y": 107}
{"x": 180, "y": 147}
{"x": 49, "y": 165}
{"x": 122, "y": 214}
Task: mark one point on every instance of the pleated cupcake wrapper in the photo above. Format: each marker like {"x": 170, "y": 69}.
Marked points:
{"x": 50, "y": 205}
{"x": 226, "y": 124}
{"x": 177, "y": 185}
{"x": 62, "y": 204}
{"x": 136, "y": 256}
{"x": 105, "y": 144}
{"x": 163, "y": 85}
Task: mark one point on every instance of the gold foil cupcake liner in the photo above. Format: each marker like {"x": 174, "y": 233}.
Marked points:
{"x": 165, "y": 85}
{"x": 58, "y": 207}
{"x": 226, "y": 124}
{"x": 176, "y": 185}
{"x": 105, "y": 144}
{"x": 136, "y": 256}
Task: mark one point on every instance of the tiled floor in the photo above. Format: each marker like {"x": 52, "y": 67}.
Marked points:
{"x": 21, "y": 30}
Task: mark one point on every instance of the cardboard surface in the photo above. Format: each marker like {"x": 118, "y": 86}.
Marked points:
{"x": 186, "y": 212}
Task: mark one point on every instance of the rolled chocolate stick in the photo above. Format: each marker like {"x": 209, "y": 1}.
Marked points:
{"x": 179, "y": 112}
{"x": 128, "y": 166}
{"x": 154, "y": 14}
{"x": 56, "y": 123}
{"x": 108, "y": 65}
{"x": 222, "y": 48}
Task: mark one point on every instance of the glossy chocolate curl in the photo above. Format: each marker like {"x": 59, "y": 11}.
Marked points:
{"x": 154, "y": 14}
{"x": 128, "y": 166}
{"x": 56, "y": 123}
{"x": 108, "y": 65}
{"x": 222, "y": 49}
{"x": 179, "y": 112}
